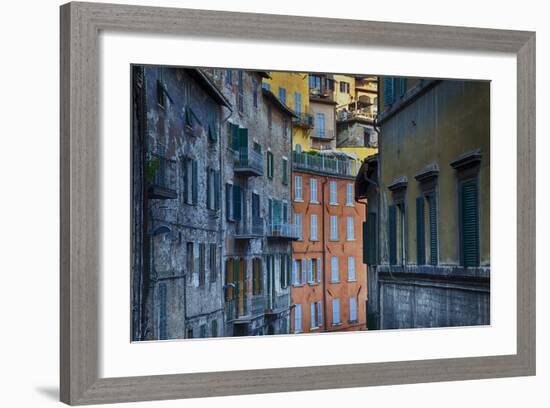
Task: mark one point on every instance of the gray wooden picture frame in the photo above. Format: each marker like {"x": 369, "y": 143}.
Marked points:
{"x": 81, "y": 24}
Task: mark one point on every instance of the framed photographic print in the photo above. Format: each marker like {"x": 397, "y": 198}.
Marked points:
{"x": 238, "y": 189}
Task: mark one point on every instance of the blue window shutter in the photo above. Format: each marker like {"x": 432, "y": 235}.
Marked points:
{"x": 304, "y": 267}
{"x": 389, "y": 91}
{"x": 469, "y": 223}
{"x": 392, "y": 221}
{"x": 319, "y": 314}
{"x": 433, "y": 228}
{"x": 420, "y": 245}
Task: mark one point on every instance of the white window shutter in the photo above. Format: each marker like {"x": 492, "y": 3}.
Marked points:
{"x": 294, "y": 272}
{"x": 312, "y": 315}
{"x": 318, "y": 269}
{"x": 319, "y": 313}
{"x": 303, "y": 271}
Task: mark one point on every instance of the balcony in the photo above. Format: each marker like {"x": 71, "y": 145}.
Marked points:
{"x": 322, "y": 94}
{"x": 366, "y": 114}
{"x": 161, "y": 177}
{"x": 303, "y": 120}
{"x": 323, "y": 134}
{"x": 274, "y": 305}
{"x": 252, "y": 230}
{"x": 248, "y": 162}
{"x": 282, "y": 231}
{"x": 320, "y": 163}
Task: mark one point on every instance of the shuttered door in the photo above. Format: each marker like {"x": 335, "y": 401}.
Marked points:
{"x": 236, "y": 278}
{"x": 469, "y": 223}
{"x": 433, "y": 229}
{"x": 420, "y": 240}
{"x": 243, "y": 146}
{"x": 229, "y": 201}
{"x": 392, "y": 233}
{"x": 237, "y": 203}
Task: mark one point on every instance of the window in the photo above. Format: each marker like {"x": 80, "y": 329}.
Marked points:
{"x": 213, "y": 263}
{"x": 296, "y": 271}
{"x": 469, "y": 223}
{"x": 352, "y": 309}
{"x": 313, "y": 228}
{"x": 426, "y": 225}
{"x": 334, "y": 274}
{"x": 310, "y": 276}
{"x": 285, "y": 170}
{"x": 282, "y": 95}
{"x": 189, "y": 252}
{"x": 163, "y": 335}
{"x": 314, "y": 270}
{"x": 344, "y": 87}
{"x": 255, "y": 94}
{"x": 396, "y": 220}
{"x": 334, "y": 228}
{"x": 350, "y": 224}
{"x": 191, "y": 181}
{"x": 269, "y": 164}
{"x": 335, "y": 311}
{"x": 432, "y": 220}
{"x": 229, "y": 201}
{"x": 283, "y": 271}
{"x": 202, "y": 264}
{"x": 349, "y": 194}
{"x": 351, "y": 269}
{"x": 313, "y": 190}
{"x": 214, "y": 328}
{"x": 256, "y": 276}
{"x": 297, "y": 318}
{"x": 298, "y": 188}
{"x": 369, "y": 239}
{"x": 303, "y": 269}
{"x": 389, "y": 92}
{"x": 333, "y": 193}
{"x": 202, "y": 330}
{"x": 240, "y": 91}
{"x": 298, "y": 223}
{"x": 298, "y": 103}
{"x": 228, "y": 77}
{"x": 237, "y": 203}
{"x": 315, "y": 83}
{"x": 312, "y": 316}
{"x": 212, "y": 189}
{"x": 320, "y": 124}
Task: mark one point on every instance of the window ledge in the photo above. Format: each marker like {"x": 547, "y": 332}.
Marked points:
{"x": 336, "y": 324}
{"x": 337, "y": 281}
{"x": 298, "y": 200}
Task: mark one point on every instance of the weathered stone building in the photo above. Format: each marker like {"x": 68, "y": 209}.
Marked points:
{"x": 256, "y": 151}
{"x": 177, "y": 222}
{"x": 426, "y": 235}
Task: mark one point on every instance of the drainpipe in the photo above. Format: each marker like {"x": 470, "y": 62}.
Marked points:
{"x": 323, "y": 184}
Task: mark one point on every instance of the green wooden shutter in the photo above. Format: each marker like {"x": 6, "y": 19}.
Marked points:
{"x": 236, "y": 283}
{"x": 420, "y": 240}
{"x": 369, "y": 239}
{"x": 234, "y": 136}
{"x": 243, "y": 145}
{"x": 433, "y": 228}
{"x": 402, "y": 86}
{"x": 217, "y": 190}
{"x": 228, "y": 200}
{"x": 392, "y": 218}
{"x": 237, "y": 203}
{"x": 389, "y": 91}
{"x": 195, "y": 182}
{"x": 469, "y": 223}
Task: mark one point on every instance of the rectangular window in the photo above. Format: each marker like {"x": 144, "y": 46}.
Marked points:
{"x": 256, "y": 276}
{"x": 351, "y": 269}
{"x": 420, "y": 234}
{"x": 309, "y": 270}
{"x": 214, "y": 328}
{"x": 389, "y": 91}
{"x": 318, "y": 270}
{"x": 285, "y": 170}
{"x": 296, "y": 272}
{"x": 269, "y": 164}
{"x": 191, "y": 181}
{"x": 333, "y": 193}
{"x": 298, "y": 223}
{"x": 189, "y": 252}
{"x": 297, "y": 318}
{"x": 334, "y": 274}
{"x": 369, "y": 239}
{"x": 228, "y": 76}
{"x": 240, "y": 90}
{"x": 334, "y": 228}
{"x": 298, "y": 196}
{"x": 335, "y": 311}
{"x": 237, "y": 203}
{"x": 202, "y": 264}
{"x": 313, "y": 236}
{"x": 469, "y": 223}
{"x": 312, "y": 313}
{"x": 229, "y": 201}
{"x": 320, "y": 124}
{"x": 213, "y": 263}
{"x": 319, "y": 314}
{"x": 349, "y": 194}
{"x": 202, "y": 331}
{"x": 282, "y": 95}
{"x": 396, "y": 223}
{"x": 350, "y": 224}
{"x": 303, "y": 270}
{"x": 432, "y": 219}
{"x": 313, "y": 190}
{"x": 352, "y": 309}
{"x": 298, "y": 103}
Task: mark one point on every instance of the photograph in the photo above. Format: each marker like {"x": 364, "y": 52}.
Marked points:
{"x": 282, "y": 203}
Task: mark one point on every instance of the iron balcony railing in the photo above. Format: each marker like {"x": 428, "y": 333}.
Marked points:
{"x": 251, "y": 229}
{"x": 364, "y": 113}
{"x": 161, "y": 177}
{"x": 303, "y": 119}
{"x": 276, "y": 303}
{"x": 283, "y": 230}
{"x": 249, "y": 161}
{"x": 321, "y": 164}
{"x": 324, "y": 134}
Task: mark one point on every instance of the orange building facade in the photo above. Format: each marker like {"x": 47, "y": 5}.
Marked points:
{"x": 329, "y": 278}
